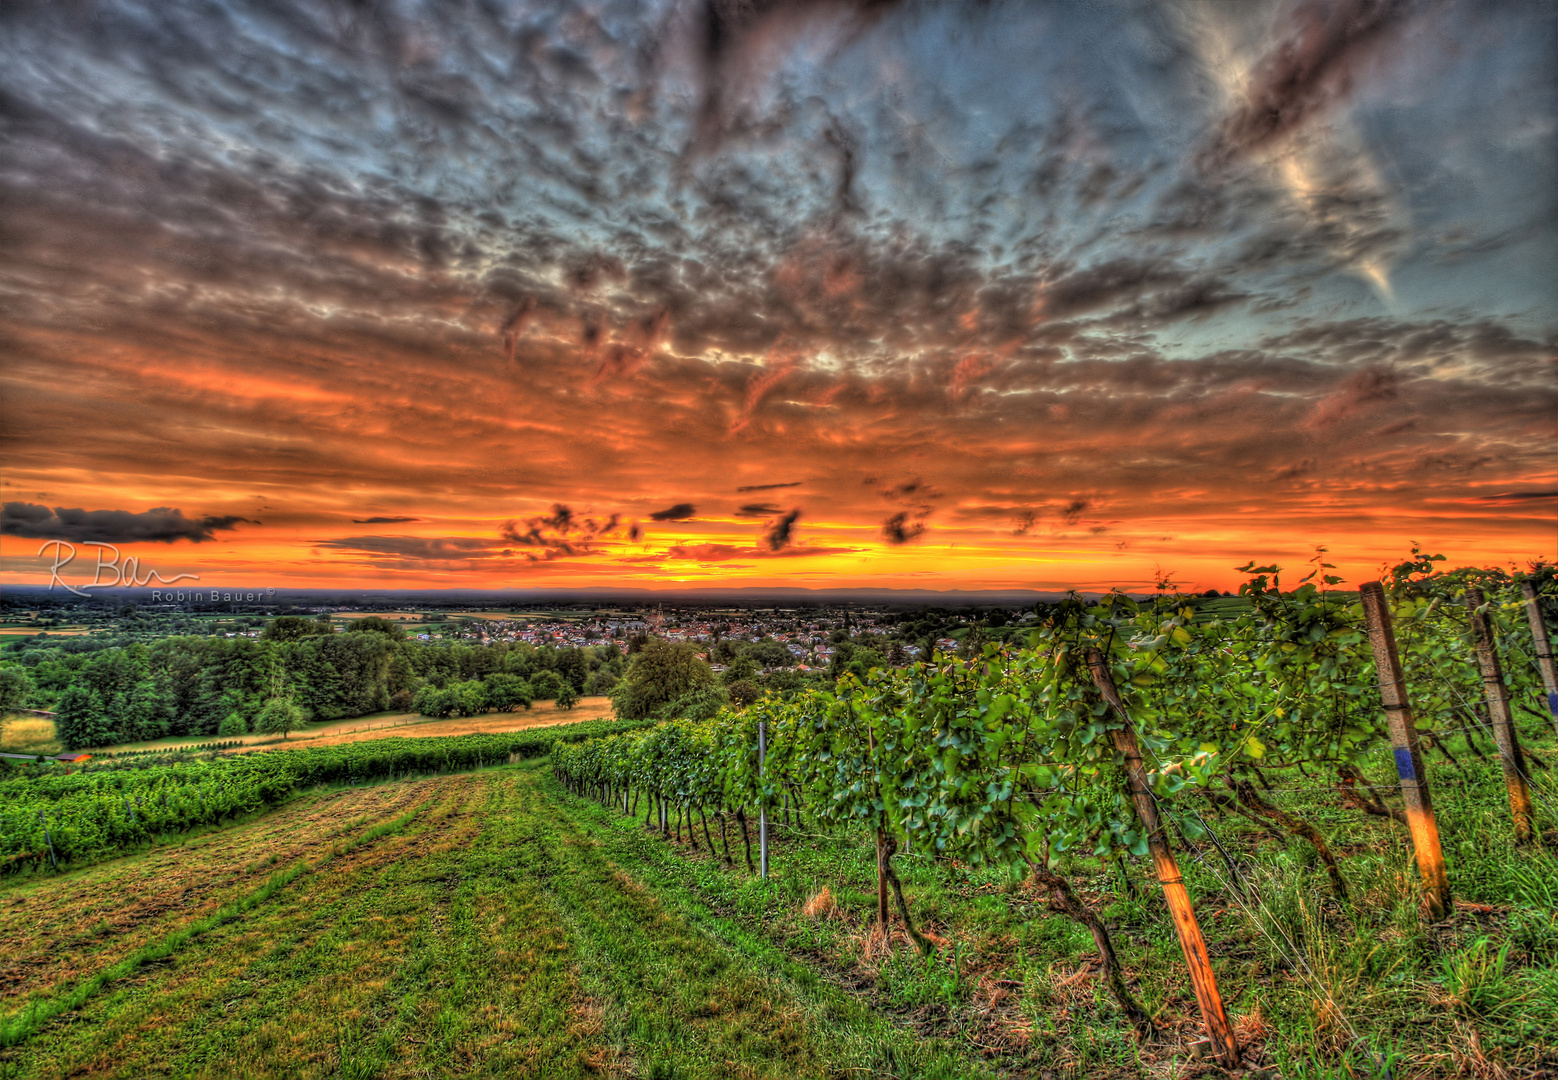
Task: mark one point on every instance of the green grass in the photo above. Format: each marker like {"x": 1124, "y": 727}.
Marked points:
{"x": 492, "y": 924}
{"x": 21, "y": 734}
{"x": 482, "y": 930}
{"x": 1317, "y": 987}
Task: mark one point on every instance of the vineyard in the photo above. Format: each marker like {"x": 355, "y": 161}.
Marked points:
{"x": 50, "y": 819}
{"x": 1128, "y": 731}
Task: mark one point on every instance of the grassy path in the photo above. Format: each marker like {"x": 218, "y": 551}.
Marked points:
{"x": 470, "y": 925}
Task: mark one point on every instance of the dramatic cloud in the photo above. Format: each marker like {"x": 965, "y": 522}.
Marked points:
{"x": 1081, "y": 290}
{"x": 778, "y": 533}
{"x": 1073, "y": 511}
{"x": 562, "y": 533}
{"x": 1326, "y": 46}
{"x": 162, "y": 525}
{"x": 899, "y": 529}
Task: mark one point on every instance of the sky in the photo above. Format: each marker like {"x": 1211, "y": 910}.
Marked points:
{"x": 957, "y": 295}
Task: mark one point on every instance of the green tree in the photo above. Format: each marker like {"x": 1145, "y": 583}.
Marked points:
{"x": 293, "y": 627}
{"x": 659, "y": 674}
{"x": 506, "y": 693}
{"x": 149, "y": 711}
{"x": 546, "y": 685}
{"x": 434, "y": 702}
{"x": 234, "y": 724}
{"x": 279, "y": 714}
{"x": 470, "y": 697}
{"x": 16, "y": 689}
{"x": 572, "y": 666}
{"x": 770, "y": 653}
{"x": 700, "y": 703}
{"x": 566, "y": 698}
{"x": 375, "y": 624}
{"x": 742, "y": 669}
{"x": 600, "y": 682}
{"x": 79, "y": 719}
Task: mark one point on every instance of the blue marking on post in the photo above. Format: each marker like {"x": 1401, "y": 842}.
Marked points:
{"x": 1552, "y": 705}
{"x": 1404, "y": 764}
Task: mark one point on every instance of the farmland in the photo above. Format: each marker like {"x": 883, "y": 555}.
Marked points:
{"x": 1033, "y": 765}
{"x": 410, "y": 725}
{"x": 475, "y": 923}
{"x": 960, "y": 870}
{"x": 491, "y": 923}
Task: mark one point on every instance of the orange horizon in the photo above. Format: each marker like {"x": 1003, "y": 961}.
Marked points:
{"x": 857, "y": 559}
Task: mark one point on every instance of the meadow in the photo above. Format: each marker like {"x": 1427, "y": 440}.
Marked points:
{"x": 491, "y": 923}
{"x": 475, "y": 924}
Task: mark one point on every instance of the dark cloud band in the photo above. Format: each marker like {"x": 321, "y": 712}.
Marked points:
{"x": 162, "y": 525}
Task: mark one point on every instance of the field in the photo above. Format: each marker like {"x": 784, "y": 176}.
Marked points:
{"x": 29, "y": 735}
{"x": 392, "y": 616}
{"x": 525, "y": 918}
{"x": 492, "y": 924}
{"x": 52, "y": 631}
{"x": 469, "y": 924}
{"x": 410, "y": 725}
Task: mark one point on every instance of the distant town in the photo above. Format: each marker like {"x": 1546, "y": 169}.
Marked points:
{"x": 809, "y": 634}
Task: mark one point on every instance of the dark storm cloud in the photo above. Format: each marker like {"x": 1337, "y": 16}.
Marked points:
{"x": 778, "y": 533}
{"x": 900, "y": 529}
{"x": 768, "y": 487}
{"x": 679, "y": 512}
{"x": 162, "y": 525}
{"x": 383, "y": 520}
{"x": 758, "y": 510}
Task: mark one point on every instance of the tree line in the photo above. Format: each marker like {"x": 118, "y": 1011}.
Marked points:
{"x": 299, "y": 669}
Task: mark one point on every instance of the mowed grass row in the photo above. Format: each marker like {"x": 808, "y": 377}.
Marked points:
{"x": 62, "y": 929}
{"x": 466, "y": 925}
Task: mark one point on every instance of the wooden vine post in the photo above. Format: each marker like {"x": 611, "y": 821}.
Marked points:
{"x": 1409, "y": 760}
{"x": 1224, "y": 1046}
{"x": 762, "y": 803}
{"x": 1544, "y": 646}
{"x": 1497, "y": 694}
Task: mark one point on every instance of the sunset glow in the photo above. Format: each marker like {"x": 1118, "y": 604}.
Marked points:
{"x": 829, "y": 295}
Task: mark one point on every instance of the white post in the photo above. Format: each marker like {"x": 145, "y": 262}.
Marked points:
{"x": 762, "y": 804}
